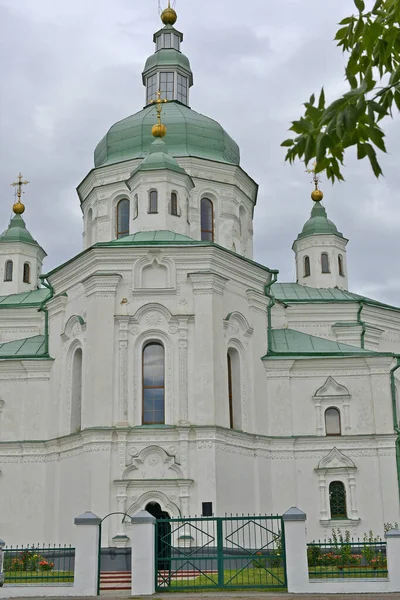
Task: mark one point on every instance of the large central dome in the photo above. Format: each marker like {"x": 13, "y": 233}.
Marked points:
{"x": 189, "y": 134}
{"x": 168, "y": 74}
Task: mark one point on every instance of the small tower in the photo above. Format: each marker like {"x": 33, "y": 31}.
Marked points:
{"x": 320, "y": 249}
{"x": 21, "y": 257}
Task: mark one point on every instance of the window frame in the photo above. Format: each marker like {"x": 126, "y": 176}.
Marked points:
{"x": 341, "y": 516}
{"x": 202, "y": 229}
{"x": 174, "y": 205}
{"x": 328, "y": 270}
{"x": 340, "y": 422}
{"x": 150, "y": 210}
{"x": 122, "y": 233}
{"x": 28, "y": 278}
{"x": 7, "y": 276}
{"x": 307, "y": 267}
{"x": 230, "y": 391}
{"x": 145, "y": 346}
{"x": 340, "y": 265}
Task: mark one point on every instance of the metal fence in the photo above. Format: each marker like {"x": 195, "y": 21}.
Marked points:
{"x": 347, "y": 559}
{"x": 220, "y": 552}
{"x": 38, "y": 564}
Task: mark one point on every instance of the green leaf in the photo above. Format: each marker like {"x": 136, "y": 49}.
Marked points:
{"x": 360, "y": 5}
{"x": 373, "y": 160}
{"x": 301, "y": 126}
{"x": 346, "y": 21}
{"x": 350, "y": 118}
{"x": 312, "y": 99}
{"x": 377, "y": 5}
{"x": 361, "y": 151}
{"x": 340, "y": 124}
{"x": 310, "y": 149}
{"x": 397, "y": 99}
{"x": 376, "y": 136}
{"x": 321, "y": 102}
{"x": 287, "y": 143}
{"x": 341, "y": 33}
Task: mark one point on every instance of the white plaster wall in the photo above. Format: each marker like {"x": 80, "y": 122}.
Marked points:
{"x": 20, "y": 254}
{"x": 313, "y": 247}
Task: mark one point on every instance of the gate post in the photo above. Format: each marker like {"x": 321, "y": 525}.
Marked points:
{"x": 86, "y": 554}
{"x": 2, "y": 544}
{"x": 143, "y": 554}
{"x": 296, "y": 550}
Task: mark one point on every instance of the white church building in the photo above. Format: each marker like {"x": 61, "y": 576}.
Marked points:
{"x": 163, "y": 368}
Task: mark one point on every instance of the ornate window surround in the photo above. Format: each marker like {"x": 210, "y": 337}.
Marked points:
{"x": 336, "y": 466}
{"x": 332, "y": 395}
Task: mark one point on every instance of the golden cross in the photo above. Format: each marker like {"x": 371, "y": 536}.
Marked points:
{"x": 316, "y": 179}
{"x": 19, "y": 184}
{"x": 158, "y": 104}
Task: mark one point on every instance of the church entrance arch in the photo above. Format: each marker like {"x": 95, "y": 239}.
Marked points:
{"x": 163, "y": 532}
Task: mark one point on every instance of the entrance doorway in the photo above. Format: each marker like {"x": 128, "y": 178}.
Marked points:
{"x": 163, "y": 535}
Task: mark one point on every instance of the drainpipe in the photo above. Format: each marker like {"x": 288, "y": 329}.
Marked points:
{"x": 45, "y": 310}
{"x": 362, "y": 323}
{"x": 395, "y": 417}
{"x": 271, "y": 303}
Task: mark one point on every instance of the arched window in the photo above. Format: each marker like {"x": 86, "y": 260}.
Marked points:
{"x": 207, "y": 220}
{"x": 332, "y": 422}
{"x": 324, "y": 263}
{"x": 26, "y": 278}
{"x": 8, "y": 273}
{"x": 76, "y": 391}
{"x": 153, "y": 202}
{"x": 307, "y": 266}
{"x": 234, "y": 396}
{"x": 340, "y": 264}
{"x": 136, "y": 207}
{"x": 242, "y": 221}
{"x": 337, "y": 500}
{"x": 174, "y": 204}
{"x": 153, "y": 373}
{"x": 89, "y": 228}
{"x": 123, "y": 210}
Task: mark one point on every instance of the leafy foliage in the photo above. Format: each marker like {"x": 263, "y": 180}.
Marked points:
{"x": 325, "y": 132}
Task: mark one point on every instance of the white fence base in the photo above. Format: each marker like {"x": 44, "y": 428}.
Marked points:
{"x": 297, "y": 564}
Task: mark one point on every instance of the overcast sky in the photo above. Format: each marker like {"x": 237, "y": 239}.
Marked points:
{"x": 69, "y": 70}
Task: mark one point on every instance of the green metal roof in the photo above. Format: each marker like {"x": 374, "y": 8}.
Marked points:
{"x": 294, "y": 292}
{"x": 188, "y": 134}
{"x": 17, "y": 232}
{"x": 318, "y": 224}
{"x": 291, "y": 342}
{"x": 154, "y": 236}
{"x": 35, "y": 298}
{"x": 28, "y": 348}
{"x": 167, "y": 57}
{"x": 159, "y": 159}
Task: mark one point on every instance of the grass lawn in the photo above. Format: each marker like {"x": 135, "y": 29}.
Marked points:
{"x": 38, "y": 577}
{"x": 334, "y": 572}
{"x": 249, "y": 578}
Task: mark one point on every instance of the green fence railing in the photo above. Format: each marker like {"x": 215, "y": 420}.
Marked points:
{"x": 350, "y": 559}
{"x": 39, "y": 564}
{"x": 220, "y": 552}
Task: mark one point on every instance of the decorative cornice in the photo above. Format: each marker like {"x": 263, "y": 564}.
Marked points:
{"x": 208, "y": 283}
{"x": 101, "y": 284}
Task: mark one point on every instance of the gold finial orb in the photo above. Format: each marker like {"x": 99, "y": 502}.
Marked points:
{"x": 317, "y": 195}
{"x": 169, "y": 16}
{"x": 159, "y": 130}
{"x": 19, "y": 208}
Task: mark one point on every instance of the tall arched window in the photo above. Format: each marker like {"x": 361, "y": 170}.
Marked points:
{"x": 207, "y": 220}
{"x": 26, "y": 277}
{"x": 307, "y": 266}
{"x": 337, "y": 500}
{"x": 76, "y": 391}
{"x": 89, "y": 228}
{"x": 332, "y": 422}
{"x": 340, "y": 265}
{"x": 174, "y": 204}
{"x": 234, "y": 395}
{"x": 324, "y": 263}
{"x": 123, "y": 210}
{"x": 153, "y": 202}
{"x": 242, "y": 221}
{"x": 153, "y": 373}
{"x": 8, "y": 273}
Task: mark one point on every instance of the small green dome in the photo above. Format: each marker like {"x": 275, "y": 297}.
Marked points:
{"x": 168, "y": 58}
{"x": 318, "y": 224}
{"x": 189, "y": 134}
{"x": 17, "y": 232}
{"x": 158, "y": 158}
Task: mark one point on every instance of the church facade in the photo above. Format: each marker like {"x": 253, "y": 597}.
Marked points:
{"x": 163, "y": 366}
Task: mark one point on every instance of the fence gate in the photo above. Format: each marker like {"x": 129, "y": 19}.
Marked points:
{"x": 220, "y": 552}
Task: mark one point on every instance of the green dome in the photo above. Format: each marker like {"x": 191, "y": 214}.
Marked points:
{"x": 167, "y": 58}
{"x": 318, "y": 224}
{"x": 17, "y": 232}
{"x": 188, "y": 134}
{"x": 158, "y": 158}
